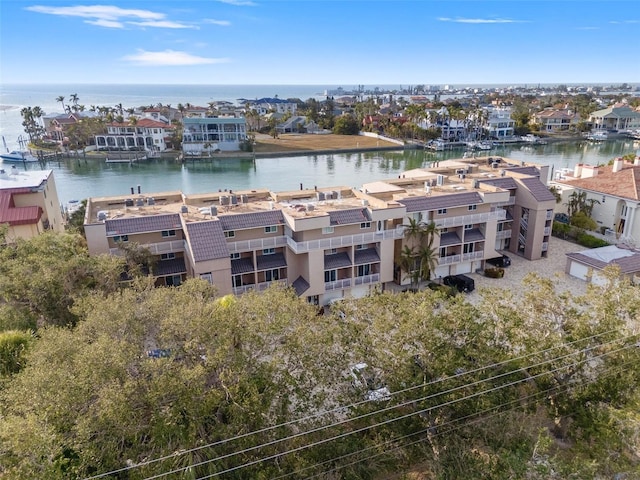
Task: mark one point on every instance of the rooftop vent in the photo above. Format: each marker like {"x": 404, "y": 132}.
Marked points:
{"x": 184, "y": 209}
{"x": 128, "y": 202}
{"x": 139, "y": 202}
{"x": 244, "y": 198}
{"x": 234, "y": 199}
{"x": 214, "y": 211}
{"x": 151, "y": 201}
{"x": 440, "y": 180}
{"x": 224, "y": 200}
{"x": 102, "y": 215}
{"x": 320, "y": 195}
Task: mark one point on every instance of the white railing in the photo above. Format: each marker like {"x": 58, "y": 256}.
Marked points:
{"x": 260, "y": 287}
{"x": 257, "y": 244}
{"x": 465, "y": 257}
{"x": 547, "y": 231}
{"x": 503, "y": 234}
{"x": 448, "y": 260}
{"x": 511, "y": 201}
{"x": 524, "y": 222}
{"x": 545, "y": 246}
{"x": 338, "y": 284}
{"x": 472, "y": 256}
{"x": 549, "y": 215}
{"x": 471, "y": 219}
{"x": 344, "y": 241}
{"x": 522, "y": 239}
{"x": 157, "y": 248}
{"x": 365, "y": 279}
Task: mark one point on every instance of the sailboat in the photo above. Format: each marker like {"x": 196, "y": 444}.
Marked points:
{"x": 16, "y": 156}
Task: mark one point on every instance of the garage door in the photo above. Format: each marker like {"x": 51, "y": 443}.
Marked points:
{"x": 464, "y": 268}
{"x": 578, "y": 270}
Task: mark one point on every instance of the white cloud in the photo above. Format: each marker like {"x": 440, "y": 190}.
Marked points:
{"x": 222, "y": 23}
{"x": 616, "y": 22}
{"x": 110, "y": 16}
{"x": 169, "y": 58}
{"x": 479, "y": 20}
{"x": 239, "y": 3}
{"x": 587, "y": 28}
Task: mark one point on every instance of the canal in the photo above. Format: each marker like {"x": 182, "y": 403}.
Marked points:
{"x": 77, "y": 178}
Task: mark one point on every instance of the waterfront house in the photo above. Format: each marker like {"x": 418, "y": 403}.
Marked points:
{"x": 331, "y": 242}
{"x": 266, "y": 105}
{"x": 553, "y": 120}
{"x": 208, "y": 134}
{"x": 143, "y": 134}
{"x": 499, "y": 123}
{"x": 29, "y": 203}
{"x": 616, "y": 117}
{"x": 614, "y": 193}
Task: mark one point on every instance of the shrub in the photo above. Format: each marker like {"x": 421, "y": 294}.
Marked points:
{"x": 494, "y": 272}
{"x": 590, "y": 241}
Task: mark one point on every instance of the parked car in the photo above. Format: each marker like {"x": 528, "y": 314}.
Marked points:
{"x": 502, "y": 261}
{"x": 461, "y": 282}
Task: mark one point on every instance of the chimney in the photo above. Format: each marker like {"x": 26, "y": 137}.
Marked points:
{"x": 577, "y": 171}
{"x": 617, "y": 164}
{"x": 589, "y": 171}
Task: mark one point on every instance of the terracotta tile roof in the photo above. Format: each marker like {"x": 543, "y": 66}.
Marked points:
{"x": 624, "y": 183}
{"x": 155, "y": 223}
{"x": 419, "y": 204}
{"x": 207, "y": 240}
{"x": 13, "y": 215}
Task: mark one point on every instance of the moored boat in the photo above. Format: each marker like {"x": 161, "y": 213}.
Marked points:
{"x": 18, "y": 156}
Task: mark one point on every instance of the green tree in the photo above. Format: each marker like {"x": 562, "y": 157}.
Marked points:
{"x": 346, "y": 125}
{"x": 13, "y": 347}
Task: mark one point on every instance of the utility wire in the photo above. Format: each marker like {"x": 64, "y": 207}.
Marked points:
{"x": 346, "y": 434}
{"x": 342, "y": 408}
{"x": 438, "y": 433}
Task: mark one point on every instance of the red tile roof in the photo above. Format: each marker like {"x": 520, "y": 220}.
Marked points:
{"x": 144, "y": 123}
{"x": 624, "y": 183}
{"x": 13, "y": 215}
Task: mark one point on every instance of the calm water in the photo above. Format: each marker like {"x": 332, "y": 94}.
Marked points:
{"x": 78, "y": 179}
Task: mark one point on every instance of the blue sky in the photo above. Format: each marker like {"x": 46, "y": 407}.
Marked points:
{"x": 319, "y": 42}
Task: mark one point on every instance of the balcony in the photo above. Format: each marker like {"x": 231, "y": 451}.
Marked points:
{"x": 344, "y": 241}
{"x": 158, "y": 248}
{"x": 257, "y": 244}
{"x": 503, "y": 234}
{"x": 549, "y": 215}
{"x": 465, "y": 257}
{"x": 337, "y": 285}
{"x": 511, "y": 201}
{"x": 471, "y": 219}
{"x": 547, "y": 231}
{"x": 366, "y": 279}
{"x": 260, "y": 287}
{"x": 545, "y": 246}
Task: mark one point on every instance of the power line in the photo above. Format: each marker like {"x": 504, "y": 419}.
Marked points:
{"x": 342, "y": 408}
{"x": 346, "y": 434}
{"x": 477, "y": 420}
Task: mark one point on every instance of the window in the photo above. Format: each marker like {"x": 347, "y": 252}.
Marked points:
{"x": 442, "y": 211}
{"x": 330, "y": 275}
{"x": 365, "y": 225}
{"x": 443, "y": 252}
{"x": 237, "y": 280}
{"x": 364, "y": 270}
{"x": 468, "y": 226}
{"x": 121, "y": 238}
{"x": 271, "y": 229}
{"x": 207, "y": 276}
{"x": 443, "y": 230}
{"x": 361, "y": 247}
{"x": 417, "y": 216}
{"x": 327, "y": 230}
{"x": 467, "y": 248}
{"x": 268, "y": 251}
{"x": 472, "y": 207}
{"x": 173, "y": 280}
{"x": 234, "y": 255}
{"x": 230, "y": 234}
{"x": 271, "y": 275}
{"x": 331, "y": 251}
{"x": 168, "y": 233}
{"x": 167, "y": 256}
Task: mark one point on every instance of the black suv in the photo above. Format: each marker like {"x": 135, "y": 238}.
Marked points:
{"x": 502, "y": 261}
{"x": 461, "y": 282}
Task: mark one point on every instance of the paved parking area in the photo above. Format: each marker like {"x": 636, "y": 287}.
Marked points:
{"x": 550, "y": 267}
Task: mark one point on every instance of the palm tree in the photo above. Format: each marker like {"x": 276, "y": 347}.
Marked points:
{"x": 419, "y": 258}
{"x": 74, "y": 98}
{"x": 61, "y": 100}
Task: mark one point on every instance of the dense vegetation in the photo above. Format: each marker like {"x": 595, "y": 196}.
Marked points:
{"x": 180, "y": 383}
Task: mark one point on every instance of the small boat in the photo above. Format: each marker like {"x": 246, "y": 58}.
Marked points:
{"x": 18, "y": 156}
{"x": 597, "y": 136}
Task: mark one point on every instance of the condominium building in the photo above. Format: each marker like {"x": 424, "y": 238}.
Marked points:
{"x": 29, "y": 203}
{"x": 328, "y": 243}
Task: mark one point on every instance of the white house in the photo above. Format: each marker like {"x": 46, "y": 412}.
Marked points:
{"x": 499, "y": 123}
{"x": 615, "y": 117}
{"x": 213, "y": 133}
{"x": 143, "y": 135}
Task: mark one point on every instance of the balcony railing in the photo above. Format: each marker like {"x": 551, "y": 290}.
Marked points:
{"x": 472, "y": 256}
{"x": 499, "y": 214}
{"x": 338, "y": 284}
{"x": 257, "y": 244}
{"x": 503, "y": 234}
{"x": 365, "y": 279}
{"x": 256, "y": 286}
{"x": 157, "y": 248}
{"x": 344, "y": 241}
{"x": 547, "y": 231}
{"x": 465, "y": 257}
{"x": 545, "y": 246}
{"x": 549, "y": 214}
{"x": 450, "y": 259}
{"x": 511, "y": 201}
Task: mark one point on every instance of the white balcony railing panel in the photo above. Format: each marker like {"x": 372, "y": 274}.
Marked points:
{"x": 499, "y": 214}
{"x": 158, "y": 248}
{"x": 338, "y": 284}
{"x": 365, "y": 279}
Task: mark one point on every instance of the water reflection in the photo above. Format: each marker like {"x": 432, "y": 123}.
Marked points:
{"x": 80, "y": 178}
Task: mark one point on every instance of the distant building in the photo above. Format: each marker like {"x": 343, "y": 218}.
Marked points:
{"x": 266, "y": 105}
{"x": 29, "y": 203}
{"x": 553, "y": 120}
{"x": 615, "y": 117}
{"x": 144, "y": 134}
{"x": 499, "y": 123}
{"x": 225, "y": 134}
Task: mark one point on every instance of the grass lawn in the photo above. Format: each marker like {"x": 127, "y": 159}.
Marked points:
{"x": 290, "y": 142}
